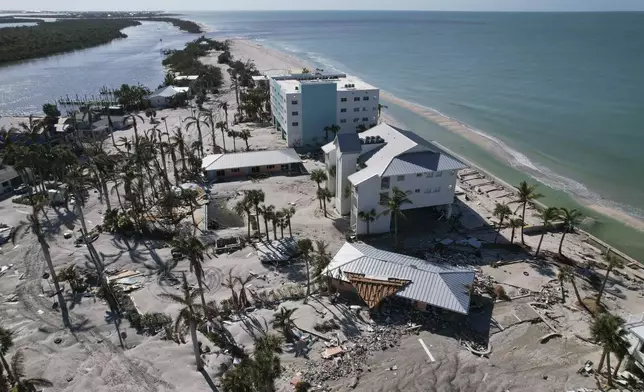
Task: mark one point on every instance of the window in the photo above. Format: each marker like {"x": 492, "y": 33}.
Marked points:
{"x": 419, "y": 174}
{"x": 356, "y": 109}
{"x": 416, "y": 190}
{"x": 365, "y": 118}
{"x": 255, "y": 169}
{"x": 364, "y": 109}
{"x": 356, "y": 99}
{"x": 219, "y": 173}
{"x": 384, "y": 197}
{"x": 295, "y": 124}
{"x": 343, "y": 121}
{"x": 294, "y": 102}
{"x": 437, "y": 189}
{"x": 235, "y": 170}
{"x": 365, "y": 98}
{"x": 284, "y": 167}
{"x": 400, "y": 178}
{"x": 343, "y": 110}
{"x": 6, "y": 183}
{"x": 439, "y": 174}
{"x": 429, "y": 175}
{"x": 356, "y": 119}
{"x": 343, "y": 100}
{"x": 270, "y": 166}
{"x": 384, "y": 183}
{"x": 294, "y": 113}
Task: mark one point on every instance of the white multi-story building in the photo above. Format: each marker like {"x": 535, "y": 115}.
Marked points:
{"x": 364, "y": 168}
{"x": 305, "y": 105}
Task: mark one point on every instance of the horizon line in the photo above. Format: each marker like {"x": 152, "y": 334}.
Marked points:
{"x": 329, "y": 10}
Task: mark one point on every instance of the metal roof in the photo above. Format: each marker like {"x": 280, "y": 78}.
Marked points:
{"x": 638, "y": 331}
{"x": 421, "y": 162}
{"x": 7, "y": 173}
{"x": 168, "y": 91}
{"x": 348, "y": 142}
{"x": 249, "y": 159}
{"x": 436, "y": 284}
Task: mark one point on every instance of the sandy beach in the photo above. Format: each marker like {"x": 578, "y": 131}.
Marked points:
{"x": 91, "y": 359}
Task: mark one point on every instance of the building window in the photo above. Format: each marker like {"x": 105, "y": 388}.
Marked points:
{"x": 419, "y": 174}
{"x": 343, "y": 110}
{"x": 384, "y": 196}
{"x": 356, "y": 99}
{"x": 343, "y": 121}
{"x": 356, "y": 109}
{"x": 294, "y": 113}
{"x": 429, "y": 175}
{"x": 284, "y": 167}
{"x": 219, "y": 173}
{"x": 365, "y": 98}
{"x": 235, "y": 170}
{"x": 364, "y": 109}
{"x": 365, "y": 118}
{"x": 295, "y": 124}
{"x": 437, "y": 189}
{"x": 255, "y": 169}
{"x": 6, "y": 183}
{"x": 384, "y": 183}
{"x": 343, "y": 100}
{"x": 356, "y": 119}
{"x": 439, "y": 174}
{"x": 400, "y": 178}
{"x": 270, "y": 166}
{"x": 416, "y": 190}
{"x": 294, "y": 102}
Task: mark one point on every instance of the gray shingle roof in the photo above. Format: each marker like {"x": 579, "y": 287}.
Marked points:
{"x": 436, "y": 284}
{"x": 250, "y": 159}
{"x": 348, "y": 142}
{"x": 420, "y": 162}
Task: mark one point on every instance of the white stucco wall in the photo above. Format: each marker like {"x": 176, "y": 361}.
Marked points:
{"x": 366, "y": 109}
{"x": 346, "y": 166}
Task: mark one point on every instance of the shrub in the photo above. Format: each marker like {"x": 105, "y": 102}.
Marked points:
{"x": 499, "y": 293}
{"x": 224, "y": 58}
{"x": 153, "y": 323}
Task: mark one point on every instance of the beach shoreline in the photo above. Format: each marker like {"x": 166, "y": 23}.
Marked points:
{"x": 262, "y": 54}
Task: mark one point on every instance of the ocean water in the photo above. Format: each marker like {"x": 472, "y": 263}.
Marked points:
{"x": 560, "y": 93}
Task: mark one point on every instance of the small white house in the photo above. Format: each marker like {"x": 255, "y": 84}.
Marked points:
{"x": 162, "y": 97}
{"x": 364, "y": 168}
{"x": 635, "y": 327}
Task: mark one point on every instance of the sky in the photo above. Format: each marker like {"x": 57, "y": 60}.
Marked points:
{"x": 222, "y": 5}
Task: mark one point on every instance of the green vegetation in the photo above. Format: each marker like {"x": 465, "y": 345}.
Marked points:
{"x": 186, "y": 62}
{"x": 45, "y": 39}
{"x": 185, "y": 25}
{"x": 11, "y": 19}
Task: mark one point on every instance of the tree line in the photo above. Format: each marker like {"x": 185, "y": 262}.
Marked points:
{"x": 45, "y": 39}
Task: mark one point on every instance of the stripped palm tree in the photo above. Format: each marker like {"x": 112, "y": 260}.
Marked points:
{"x": 195, "y": 251}
{"x": 189, "y": 316}
{"x": 196, "y": 120}
{"x": 571, "y": 219}
{"x": 613, "y": 262}
{"x": 515, "y": 223}
{"x": 547, "y": 215}
{"x": 304, "y": 247}
{"x": 501, "y": 211}
{"x": 21, "y": 383}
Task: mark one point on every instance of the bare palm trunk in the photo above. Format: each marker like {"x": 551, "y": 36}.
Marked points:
{"x": 200, "y": 139}
{"x": 601, "y": 289}
{"x": 308, "y": 279}
{"x": 203, "y": 297}
{"x": 223, "y": 135}
{"x": 117, "y": 324}
{"x": 195, "y": 342}
{"x": 581, "y": 302}
{"x": 290, "y": 232}
{"x": 6, "y": 366}
{"x": 523, "y": 220}
{"x": 498, "y": 231}
{"x": 600, "y": 366}
{"x": 563, "y": 292}
{"x": 52, "y": 272}
{"x": 619, "y": 364}
{"x": 609, "y": 373}
{"x": 396, "y": 230}
{"x": 562, "y": 240}
{"x": 539, "y": 246}
{"x": 259, "y": 234}
{"x": 512, "y": 240}
{"x": 268, "y": 238}
{"x": 324, "y": 203}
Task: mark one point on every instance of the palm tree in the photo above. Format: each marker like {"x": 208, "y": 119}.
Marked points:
{"x": 562, "y": 276}
{"x": 609, "y": 331}
{"x": 324, "y": 195}
{"x": 515, "y": 224}
{"x": 288, "y": 214}
{"x": 283, "y": 320}
{"x": 304, "y": 247}
{"x": 223, "y": 105}
{"x": 547, "y": 215}
{"x": 255, "y": 197}
{"x": 196, "y": 120}
{"x": 318, "y": 175}
{"x": 393, "y": 205}
{"x": 222, "y": 127}
{"x": 267, "y": 212}
{"x": 567, "y": 274}
{"x": 195, "y": 251}
{"x": 234, "y": 135}
{"x": 189, "y": 315}
{"x": 179, "y": 143}
{"x": 621, "y": 353}
{"x": 361, "y": 128}
{"x": 6, "y": 342}
{"x": 380, "y": 107}
{"x": 501, "y": 211}
{"x": 209, "y": 116}
{"x": 258, "y": 373}
{"x": 276, "y": 218}
{"x": 527, "y": 194}
{"x": 571, "y": 219}
{"x": 133, "y": 117}
{"x": 368, "y": 217}
{"x": 23, "y": 384}
{"x": 243, "y": 207}
{"x": 245, "y": 135}
{"x": 4, "y": 381}
{"x": 333, "y": 128}
{"x": 613, "y": 262}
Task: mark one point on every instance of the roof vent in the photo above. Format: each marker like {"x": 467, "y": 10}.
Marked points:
{"x": 362, "y": 141}
{"x": 379, "y": 139}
